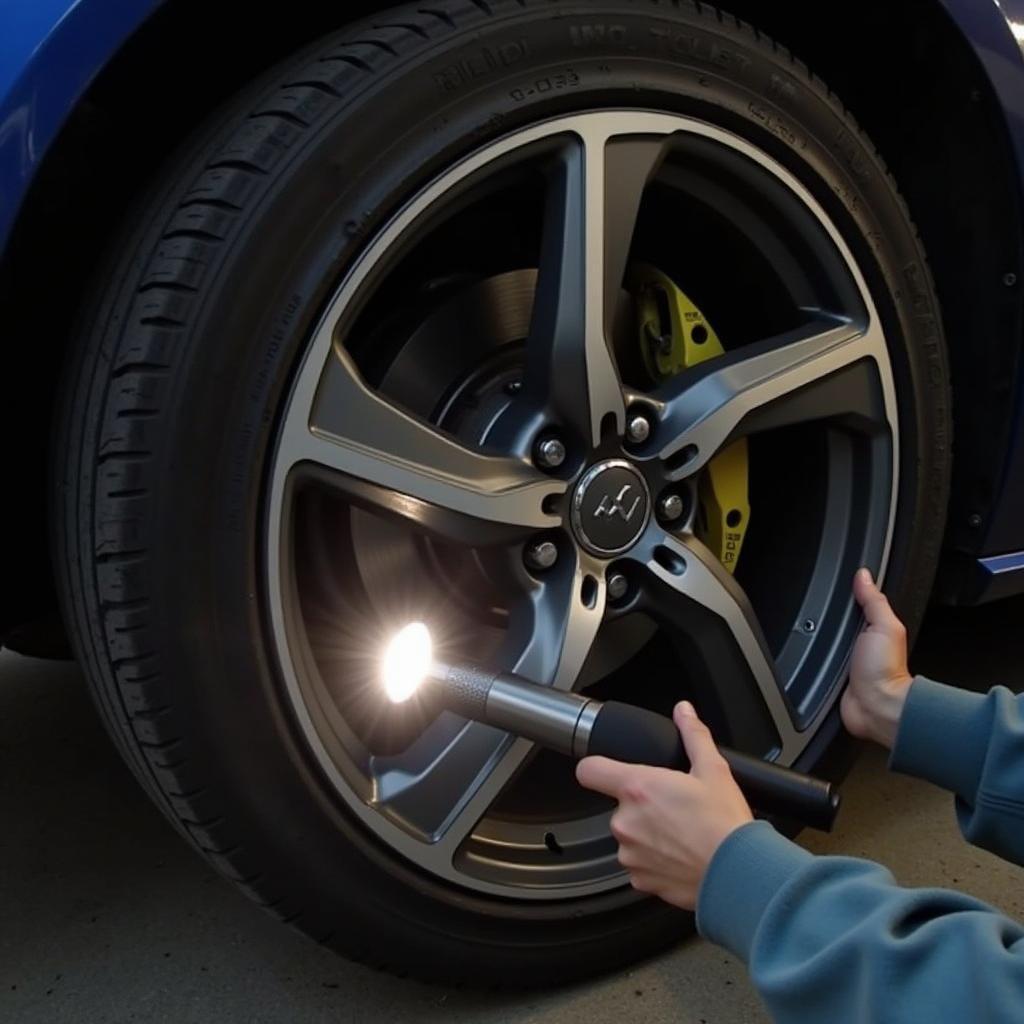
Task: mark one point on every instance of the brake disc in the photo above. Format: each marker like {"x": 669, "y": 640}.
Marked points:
{"x": 675, "y": 336}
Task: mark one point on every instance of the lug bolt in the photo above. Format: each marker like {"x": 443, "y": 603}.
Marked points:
{"x": 550, "y": 453}
{"x": 670, "y": 507}
{"x": 638, "y": 429}
{"x": 513, "y": 387}
{"x": 541, "y": 554}
{"x": 617, "y": 586}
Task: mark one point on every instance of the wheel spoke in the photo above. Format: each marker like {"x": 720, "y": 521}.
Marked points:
{"x": 594, "y": 191}
{"x": 386, "y": 459}
{"x": 549, "y": 639}
{"x": 825, "y": 370}
{"x": 697, "y": 594}
{"x": 552, "y": 634}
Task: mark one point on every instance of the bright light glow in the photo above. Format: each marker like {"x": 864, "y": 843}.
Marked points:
{"x": 407, "y": 661}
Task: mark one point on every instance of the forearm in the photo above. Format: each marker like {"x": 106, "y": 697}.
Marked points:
{"x": 833, "y": 938}
{"x": 973, "y": 745}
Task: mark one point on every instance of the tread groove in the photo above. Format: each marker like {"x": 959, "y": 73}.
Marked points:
{"x": 160, "y": 321}
{"x": 167, "y": 286}
{"x": 128, "y": 456}
{"x": 206, "y": 823}
{"x": 139, "y": 367}
{"x": 129, "y": 604}
{"x": 232, "y": 163}
{"x": 136, "y": 414}
{"x": 284, "y": 115}
{"x": 216, "y": 204}
{"x": 115, "y": 557}
{"x": 320, "y": 86}
{"x": 129, "y": 492}
{"x": 196, "y": 233}
{"x": 378, "y": 44}
{"x": 408, "y": 27}
{"x": 151, "y": 715}
{"x": 442, "y": 16}
{"x": 347, "y": 58}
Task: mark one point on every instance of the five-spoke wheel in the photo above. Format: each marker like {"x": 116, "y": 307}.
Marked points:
{"x": 537, "y": 496}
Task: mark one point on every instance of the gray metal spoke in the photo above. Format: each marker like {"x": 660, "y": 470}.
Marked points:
{"x": 693, "y": 573}
{"x": 387, "y": 458}
{"x": 825, "y": 369}
{"x": 551, "y": 639}
{"x": 595, "y": 187}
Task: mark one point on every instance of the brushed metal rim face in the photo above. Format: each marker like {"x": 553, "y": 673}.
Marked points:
{"x": 589, "y": 479}
{"x": 382, "y": 453}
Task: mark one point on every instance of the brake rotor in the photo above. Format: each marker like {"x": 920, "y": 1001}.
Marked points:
{"x": 466, "y": 332}
{"x": 675, "y": 336}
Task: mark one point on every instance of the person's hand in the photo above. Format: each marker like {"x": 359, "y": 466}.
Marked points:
{"x": 879, "y": 679}
{"x": 668, "y": 823}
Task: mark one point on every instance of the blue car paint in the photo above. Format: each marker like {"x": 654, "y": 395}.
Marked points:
{"x": 1000, "y": 575}
{"x": 51, "y": 50}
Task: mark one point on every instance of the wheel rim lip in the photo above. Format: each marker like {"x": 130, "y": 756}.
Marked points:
{"x": 287, "y": 633}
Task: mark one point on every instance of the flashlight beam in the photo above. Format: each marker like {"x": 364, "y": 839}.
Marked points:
{"x": 407, "y": 662}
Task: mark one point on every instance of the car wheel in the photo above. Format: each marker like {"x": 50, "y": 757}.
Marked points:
{"x": 597, "y": 337}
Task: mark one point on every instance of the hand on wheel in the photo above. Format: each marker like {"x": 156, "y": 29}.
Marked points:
{"x": 668, "y": 823}
{"x": 879, "y": 678}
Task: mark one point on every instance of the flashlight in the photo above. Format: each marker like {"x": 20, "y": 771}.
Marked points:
{"x": 576, "y": 725}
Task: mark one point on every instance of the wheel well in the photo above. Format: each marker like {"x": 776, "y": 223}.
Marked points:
{"x": 929, "y": 108}
{"x": 926, "y": 104}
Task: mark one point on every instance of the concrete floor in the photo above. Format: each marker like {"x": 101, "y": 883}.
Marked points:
{"x": 105, "y": 915}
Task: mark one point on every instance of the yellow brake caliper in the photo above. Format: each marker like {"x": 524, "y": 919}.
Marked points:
{"x": 674, "y": 335}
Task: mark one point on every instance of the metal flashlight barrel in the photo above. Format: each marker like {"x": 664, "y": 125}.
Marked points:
{"x": 578, "y": 726}
{"x": 506, "y": 701}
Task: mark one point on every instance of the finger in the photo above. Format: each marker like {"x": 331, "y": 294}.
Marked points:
{"x": 875, "y": 604}
{"x": 603, "y": 775}
{"x": 700, "y": 747}
{"x": 645, "y": 882}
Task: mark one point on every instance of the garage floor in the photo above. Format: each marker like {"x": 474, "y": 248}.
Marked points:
{"x": 105, "y": 915}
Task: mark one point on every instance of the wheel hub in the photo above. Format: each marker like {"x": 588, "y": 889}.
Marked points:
{"x": 610, "y": 507}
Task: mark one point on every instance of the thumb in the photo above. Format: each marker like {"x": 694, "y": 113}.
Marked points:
{"x": 700, "y": 747}
{"x": 875, "y": 604}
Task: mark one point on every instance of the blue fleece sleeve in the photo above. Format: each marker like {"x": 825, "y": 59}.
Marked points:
{"x": 835, "y": 939}
{"x": 973, "y": 745}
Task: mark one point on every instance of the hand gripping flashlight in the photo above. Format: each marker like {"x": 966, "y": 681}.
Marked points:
{"x": 577, "y": 726}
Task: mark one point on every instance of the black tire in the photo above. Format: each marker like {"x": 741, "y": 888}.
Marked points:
{"x": 170, "y": 408}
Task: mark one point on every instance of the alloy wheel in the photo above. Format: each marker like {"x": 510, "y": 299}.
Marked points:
{"x": 410, "y": 480}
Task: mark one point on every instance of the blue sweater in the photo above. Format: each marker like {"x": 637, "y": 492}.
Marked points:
{"x": 836, "y": 940}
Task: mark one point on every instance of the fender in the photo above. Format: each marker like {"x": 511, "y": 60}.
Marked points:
{"x": 995, "y": 29}
{"x": 50, "y": 52}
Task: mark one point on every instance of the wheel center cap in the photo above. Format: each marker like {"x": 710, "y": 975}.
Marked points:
{"x": 610, "y": 507}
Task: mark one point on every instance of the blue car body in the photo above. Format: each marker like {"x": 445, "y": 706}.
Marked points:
{"x": 52, "y": 50}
